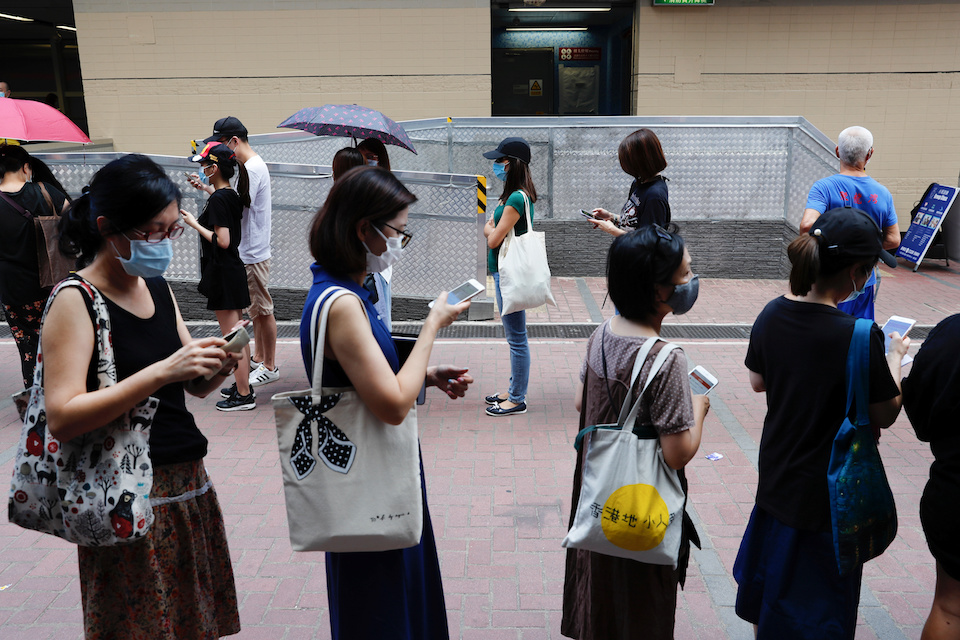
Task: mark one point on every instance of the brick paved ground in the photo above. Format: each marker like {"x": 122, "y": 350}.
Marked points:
{"x": 499, "y": 490}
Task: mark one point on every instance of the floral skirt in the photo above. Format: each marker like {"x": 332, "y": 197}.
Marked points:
{"x": 175, "y": 584}
{"x": 24, "y": 321}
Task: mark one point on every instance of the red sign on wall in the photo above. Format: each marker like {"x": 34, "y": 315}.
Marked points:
{"x": 579, "y": 54}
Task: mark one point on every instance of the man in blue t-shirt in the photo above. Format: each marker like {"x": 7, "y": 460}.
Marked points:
{"x": 852, "y": 187}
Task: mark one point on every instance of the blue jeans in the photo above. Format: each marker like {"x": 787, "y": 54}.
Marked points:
{"x": 515, "y": 328}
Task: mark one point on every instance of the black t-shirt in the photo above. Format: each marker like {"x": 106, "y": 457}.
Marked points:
{"x": 19, "y": 270}
{"x": 647, "y": 204}
{"x": 931, "y": 398}
{"x": 223, "y": 209}
{"x": 800, "y": 349}
{"x": 138, "y": 343}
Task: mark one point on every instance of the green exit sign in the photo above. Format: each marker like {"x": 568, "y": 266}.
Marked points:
{"x": 671, "y": 3}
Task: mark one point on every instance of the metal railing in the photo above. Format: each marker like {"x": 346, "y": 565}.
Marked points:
{"x": 444, "y": 220}
{"x": 720, "y": 168}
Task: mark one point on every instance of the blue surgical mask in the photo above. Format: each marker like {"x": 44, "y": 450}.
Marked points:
{"x": 856, "y": 293}
{"x": 372, "y": 163}
{"x": 147, "y": 259}
{"x": 203, "y": 176}
{"x": 500, "y": 170}
{"x": 684, "y": 296}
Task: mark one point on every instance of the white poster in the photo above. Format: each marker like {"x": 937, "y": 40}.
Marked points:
{"x": 579, "y": 90}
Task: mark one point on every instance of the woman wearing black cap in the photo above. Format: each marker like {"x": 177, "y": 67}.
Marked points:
{"x": 511, "y": 163}
{"x": 223, "y": 278}
{"x": 641, "y": 156}
{"x": 789, "y": 583}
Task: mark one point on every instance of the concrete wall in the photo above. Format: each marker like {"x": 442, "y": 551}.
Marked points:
{"x": 889, "y": 65}
{"x": 158, "y": 74}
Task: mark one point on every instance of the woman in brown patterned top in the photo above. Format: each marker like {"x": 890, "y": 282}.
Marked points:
{"x": 648, "y": 276}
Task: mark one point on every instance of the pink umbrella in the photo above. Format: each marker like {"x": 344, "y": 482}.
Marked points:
{"x": 29, "y": 120}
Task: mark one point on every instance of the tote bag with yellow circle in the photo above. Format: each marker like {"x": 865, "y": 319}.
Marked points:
{"x": 631, "y": 502}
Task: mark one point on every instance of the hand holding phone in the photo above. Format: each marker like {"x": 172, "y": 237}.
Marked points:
{"x": 702, "y": 381}
{"x": 237, "y": 339}
{"x": 586, "y": 214}
{"x": 465, "y": 291}
{"x": 899, "y": 324}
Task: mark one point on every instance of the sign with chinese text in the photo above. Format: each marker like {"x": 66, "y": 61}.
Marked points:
{"x": 664, "y": 3}
{"x": 926, "y": 223}
{"x": 580, "y": 54}
{"x": 536, "y": 88}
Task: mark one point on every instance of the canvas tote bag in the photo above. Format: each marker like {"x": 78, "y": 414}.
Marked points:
{"x": 524, "y": 272}
{"x": 351, "y": 481}
{"x": 92, "y": 490}
{"x": 631, "y": 502}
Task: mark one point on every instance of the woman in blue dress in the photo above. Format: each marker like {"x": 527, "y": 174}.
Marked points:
{"x": 384, "y": 594}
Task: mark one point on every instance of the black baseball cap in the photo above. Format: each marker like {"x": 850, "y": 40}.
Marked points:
{"x": 846, "y": 232}
{"x": 227, "y": 128}
{"x": 511, "y": 148}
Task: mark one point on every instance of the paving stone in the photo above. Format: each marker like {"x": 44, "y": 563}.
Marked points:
{"x": 499, "y": 489}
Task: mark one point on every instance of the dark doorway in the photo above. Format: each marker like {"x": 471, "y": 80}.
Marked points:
{"x": 583, "y": 52}
{"x": 40, "y": 57}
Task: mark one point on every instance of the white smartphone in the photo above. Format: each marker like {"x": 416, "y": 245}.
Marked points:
{"x": 586, "y": 214}
{"x": 467, "y": 290}
{"x": 896, "y": 323}
{"x": 701, "y": 381}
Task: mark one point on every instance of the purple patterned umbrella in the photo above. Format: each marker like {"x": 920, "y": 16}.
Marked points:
{"x": 348, "y": 121}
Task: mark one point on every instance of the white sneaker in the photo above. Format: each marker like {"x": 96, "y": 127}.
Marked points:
{"x": 261, "y": 376}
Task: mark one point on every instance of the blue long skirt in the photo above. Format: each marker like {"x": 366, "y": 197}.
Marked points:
{"x": 789, "y": 584}
{"x": 388, "y": 594}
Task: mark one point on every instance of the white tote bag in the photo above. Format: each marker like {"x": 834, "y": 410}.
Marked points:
{"x": 351, "y": 481}
{"x": 524, "y": 272}
{"x": 631, "y": 502}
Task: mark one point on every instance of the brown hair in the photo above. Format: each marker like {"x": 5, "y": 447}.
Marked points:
{"x": 344, "y": 160}
{"x": 363, "y": 193}
{"x": 641, "y": 155}
{"x": 807, "y": 267}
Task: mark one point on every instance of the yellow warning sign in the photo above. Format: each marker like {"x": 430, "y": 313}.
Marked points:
{"x": 536, "y": 88}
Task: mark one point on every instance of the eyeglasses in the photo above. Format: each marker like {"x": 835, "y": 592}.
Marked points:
{"x": 405, "y": 236}
{"x": 158, "y": 236}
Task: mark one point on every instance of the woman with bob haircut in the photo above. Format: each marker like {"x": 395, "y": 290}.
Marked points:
{"x": 786, "y": 569}
{"x": 641, "y": 156}
{"x": 511, "y": 163}
{"x": 224, "y": 279}
{"x": 384, "y": 594}
{"x": 648, "y": 276}
{"x": 344, "y": 160}
{"x": 177, "y": 582}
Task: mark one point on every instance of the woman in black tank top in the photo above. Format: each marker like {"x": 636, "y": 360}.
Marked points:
{"x": 122, "y": 229}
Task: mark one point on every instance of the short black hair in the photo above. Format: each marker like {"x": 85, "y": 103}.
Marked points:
{"x": 636, "y": 262}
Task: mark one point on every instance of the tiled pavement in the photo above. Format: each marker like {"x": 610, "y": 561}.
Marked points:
{"x": 499, "y": 489}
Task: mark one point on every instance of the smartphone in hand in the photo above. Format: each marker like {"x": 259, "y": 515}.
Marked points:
{"x": 586, "y": 214}
{"x": 465, "y": 291}
{"x": 896, "y": 323}
{"x": 702, "y": 381}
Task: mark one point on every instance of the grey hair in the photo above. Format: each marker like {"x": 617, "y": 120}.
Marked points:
{"x": 854, "y": 144}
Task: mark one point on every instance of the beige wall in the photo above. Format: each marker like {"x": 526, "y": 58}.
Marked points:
{"x": 891, "y": 66}
{"x": 155, "y": 80}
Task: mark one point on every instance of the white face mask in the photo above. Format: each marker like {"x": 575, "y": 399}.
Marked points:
{"x": 375, "y": 263}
